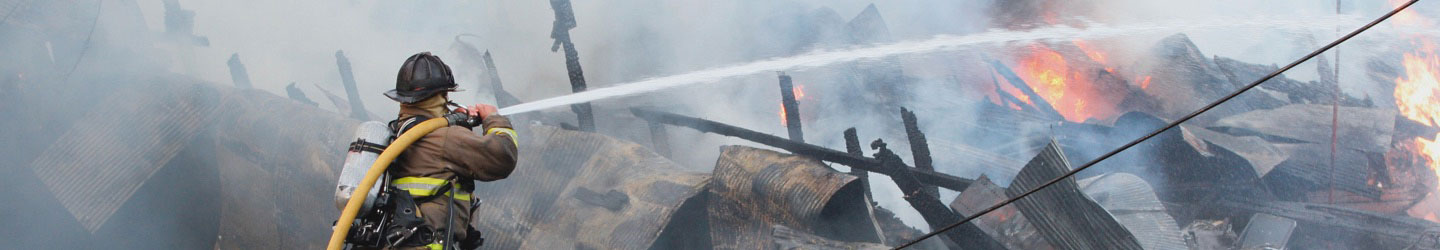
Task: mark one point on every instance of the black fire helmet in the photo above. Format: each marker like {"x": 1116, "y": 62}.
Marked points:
{"x": 423, "y": 75}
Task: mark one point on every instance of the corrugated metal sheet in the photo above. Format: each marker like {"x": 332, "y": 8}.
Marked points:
{"x": 1134, "y": 204}
{"x": 755, "y": 189}
{"x": 1064, "y": 215}
{"x": 99, "y": 163}
{"x": 1006, "y": 224}
{"x": 577, "y": 190}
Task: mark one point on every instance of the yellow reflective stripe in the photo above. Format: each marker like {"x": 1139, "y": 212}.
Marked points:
{"x": 435, "y": 246}
{"x": 419, "y": 180}
{"x": 425, "y": 186}
{"x": 514, "y": 137}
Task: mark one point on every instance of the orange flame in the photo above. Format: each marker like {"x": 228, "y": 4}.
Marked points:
{"x": 1417, "y": 94}
{"x": 1069, "y": 90}
{"x": 799, "y": 95}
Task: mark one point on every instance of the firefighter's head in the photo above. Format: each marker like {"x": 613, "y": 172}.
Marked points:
{"x": 421, "y": 77}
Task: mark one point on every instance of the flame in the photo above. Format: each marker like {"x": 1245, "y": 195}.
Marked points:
{"x": 1145, "y": 84}
{"x": 1068, "y": 89}
{"x": 1092, "y": 53}
{"x": 799, "y": 95}
{"x": 1417, "y": 94}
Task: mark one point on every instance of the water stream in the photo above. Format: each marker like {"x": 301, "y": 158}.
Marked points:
{"x": 936, "y": 44}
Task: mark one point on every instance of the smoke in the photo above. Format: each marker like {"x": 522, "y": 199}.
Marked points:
{"x": 619, "y": 42}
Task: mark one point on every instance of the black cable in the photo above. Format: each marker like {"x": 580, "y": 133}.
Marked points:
{"x": 1167, "y": 127}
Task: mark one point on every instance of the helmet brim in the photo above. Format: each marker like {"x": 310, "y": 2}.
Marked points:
{"x": 408, "y": 97}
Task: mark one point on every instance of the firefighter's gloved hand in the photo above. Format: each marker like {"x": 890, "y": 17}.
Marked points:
{"x": 461, "y": 119}
{"x": 479, "y": 110}
{"x": 478, "y": 113}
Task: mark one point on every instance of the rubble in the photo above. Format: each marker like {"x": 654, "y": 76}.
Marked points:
{"x": 1365, "y": 129}
{"x": 1062, "y": 214}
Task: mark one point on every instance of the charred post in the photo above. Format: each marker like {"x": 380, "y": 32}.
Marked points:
{"x": 824, "y": 154}
{"x": 852, "y": 146}
{"x": 238, "y": 73}
{"x": 792, "y": 108}
{"x": 357, "y": 108}
{"x": 502, "y": 98}
{"x": 564, "y": 22}
{"x": 919, "y": 148}
{"x": 928, "y": 203}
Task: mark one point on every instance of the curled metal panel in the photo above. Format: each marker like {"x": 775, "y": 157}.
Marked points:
{"x": 754, "y": 189}
{"x": 1134, "y": 204}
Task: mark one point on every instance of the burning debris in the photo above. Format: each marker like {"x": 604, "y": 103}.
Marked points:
{"x": 1276, "y": 169}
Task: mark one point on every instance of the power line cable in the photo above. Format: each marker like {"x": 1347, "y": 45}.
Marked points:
{"x": 1157, "y": 132}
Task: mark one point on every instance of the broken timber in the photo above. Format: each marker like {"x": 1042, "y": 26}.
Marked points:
{"x": 357, "y": 108}
{"x": 919, "y": 147}
{"x": 238, "y": 73}
{"x": 859, "y": 162}
{"x": 928, "y": 203}
{"x": 791, "y": 108}
{"x": 502, "y": 98}
{"x": 564, "y": 21}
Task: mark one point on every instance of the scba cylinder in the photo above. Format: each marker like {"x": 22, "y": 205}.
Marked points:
{"x": 371, "y": 138}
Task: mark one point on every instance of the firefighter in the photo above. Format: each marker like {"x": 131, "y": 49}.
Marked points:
{"x": 445, "y": 163}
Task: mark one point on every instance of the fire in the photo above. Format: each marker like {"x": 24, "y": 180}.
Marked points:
{"x": 799, "y": 95}
{"x": 1094, "y": 54}
{"x": 1145, "y": 84}
{"x": 1417, "y": 94}
{"x": 1068, "y": 89}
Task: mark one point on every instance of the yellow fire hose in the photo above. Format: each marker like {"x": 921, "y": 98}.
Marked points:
{"x": 352, "y": 208}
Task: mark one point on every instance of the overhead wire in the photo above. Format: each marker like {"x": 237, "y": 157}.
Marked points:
{"x": 1169, "y": 126}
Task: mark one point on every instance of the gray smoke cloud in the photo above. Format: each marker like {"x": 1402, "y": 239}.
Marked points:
{"x": 281, "y": 42}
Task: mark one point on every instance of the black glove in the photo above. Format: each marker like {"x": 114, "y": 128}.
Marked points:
{"x": 463, "y": 120}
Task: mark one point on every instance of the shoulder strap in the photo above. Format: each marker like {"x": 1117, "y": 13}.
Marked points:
{"x": 399, "y": 126}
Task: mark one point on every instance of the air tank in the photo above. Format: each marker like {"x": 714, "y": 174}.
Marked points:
{"x": 371, "y": 138}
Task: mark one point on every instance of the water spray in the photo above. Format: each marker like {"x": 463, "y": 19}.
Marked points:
{"x": 936, "y": 44}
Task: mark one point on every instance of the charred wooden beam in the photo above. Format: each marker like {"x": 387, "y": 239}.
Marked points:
{"x": 357, "y": 108}
{"x": 792, "y": 108}
{"x": 852, "y": 146}
{"x": 502, "y": 98}
{"x": 928, "y": 203}
{"x": 868, "y": 164}
{"x": 238, "y": 73}
{"x": 564, "y": 21}
{"x": 919, "y": 147}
